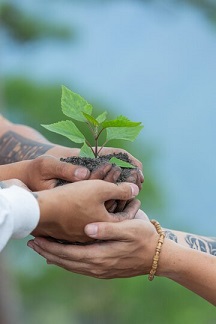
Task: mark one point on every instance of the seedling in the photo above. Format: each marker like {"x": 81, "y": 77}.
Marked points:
{"x": 78, "y": 109}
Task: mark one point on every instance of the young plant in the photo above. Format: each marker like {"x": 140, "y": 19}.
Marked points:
{"x": 77, "y": 108}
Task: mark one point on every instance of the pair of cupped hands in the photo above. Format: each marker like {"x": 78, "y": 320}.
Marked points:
{"x": 90, "y": 197}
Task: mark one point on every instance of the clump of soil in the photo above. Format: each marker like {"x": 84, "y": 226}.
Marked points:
{"x": 93, "y": 164}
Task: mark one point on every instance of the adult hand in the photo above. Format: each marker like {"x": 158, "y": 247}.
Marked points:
{"x": 136, "y": 175}
{"x": 127, "y": 250}
{"x": 43, "y": 172}
{"x": 67, "y": 209}
{"x": 106, "y": 171}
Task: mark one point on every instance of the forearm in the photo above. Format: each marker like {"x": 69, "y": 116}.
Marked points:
{"x": 20, "y": 142}
{"x": 196, "y": 242}
{"x": 190, "y": 268}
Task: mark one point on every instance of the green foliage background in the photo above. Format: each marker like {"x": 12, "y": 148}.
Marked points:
{"x": 52, "y": 295}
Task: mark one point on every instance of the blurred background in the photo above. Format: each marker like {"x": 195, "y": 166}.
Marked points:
{"x": 153, "y": 61}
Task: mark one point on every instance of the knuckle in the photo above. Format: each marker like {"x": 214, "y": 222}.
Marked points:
{"x": 126, "y": 193}
{"x": 98, "y": 273}
{"x": 62, "y": 169}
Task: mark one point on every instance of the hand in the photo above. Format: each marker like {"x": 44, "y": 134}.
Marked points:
{"x": 43, "y": 172}
{"x": 136, "y": 174}
{"x": 106, "y": 172}
{"x": 67, "y": 209}
{"x": 128, "y": 250}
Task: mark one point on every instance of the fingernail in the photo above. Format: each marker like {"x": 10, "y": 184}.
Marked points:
{"x": 81, "y": 173}
{"x": 142, "y": 175}
{"x": 134, "y": 189}
{"x": 36, "y": 242}
{"x": 91, "y": 230}
{"x": 30, "y": 244}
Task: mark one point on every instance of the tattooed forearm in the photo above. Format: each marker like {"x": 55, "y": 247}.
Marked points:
{"x": 203, "y": 244}
{"x": 15, "y": 148}
{"x": 171, "y": 236}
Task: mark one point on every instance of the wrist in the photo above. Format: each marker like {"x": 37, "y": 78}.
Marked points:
{"x": 48, "y": 209}
{"x": 172, "y": 260}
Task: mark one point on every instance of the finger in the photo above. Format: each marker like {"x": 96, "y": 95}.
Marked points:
{"x": 122, "y": 191}
{"x": 113, "y": 174}
{"x": 110, "y": 205}
{"x": 67, "y": 264}
{"x": 120, "y": 205}
{"x": 141, "y": 176}
{"x": 62, "y": 251}
{"x": 69, "y": 172}
{"x": 101, "y": 172}
{"x": 120, "y": 231}
{"x": 129, "y": 211}
{"x": 141, "y": 215}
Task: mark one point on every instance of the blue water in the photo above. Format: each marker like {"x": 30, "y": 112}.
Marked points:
{"x": 154, "y": 64}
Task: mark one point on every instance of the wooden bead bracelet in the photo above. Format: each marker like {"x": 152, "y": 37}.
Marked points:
{"x": 158, "y": 249}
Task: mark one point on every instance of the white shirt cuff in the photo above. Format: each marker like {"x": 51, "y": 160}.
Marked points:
{"x": 24, "y": 210}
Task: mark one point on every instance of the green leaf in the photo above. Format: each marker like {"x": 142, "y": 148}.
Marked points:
{"x": 91, "y": 119}
{"x": 120, "y": 121}
{"x": 121, "y": 163}
{"x": 68, "y": 129}
{"x": 123, "y": 133}
{"x": 85, "y": 151}
{"x": 73, "y": 105}
{"x": 102, "y": 117}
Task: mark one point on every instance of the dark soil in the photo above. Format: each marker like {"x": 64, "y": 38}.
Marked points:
{"x": 93, "y": 164}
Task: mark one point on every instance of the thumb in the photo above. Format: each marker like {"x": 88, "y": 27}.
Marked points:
{"x": 109, "y": 231}
{"x": 69, "y": 172}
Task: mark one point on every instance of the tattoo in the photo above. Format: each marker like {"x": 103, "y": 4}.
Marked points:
{"x": 203, "y": 244}
{"x": 15, "y": 148}
{"x": 171, "y": 236}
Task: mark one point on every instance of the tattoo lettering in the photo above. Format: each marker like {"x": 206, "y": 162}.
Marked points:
{"x": 203, "y": 244}
{"x": 171, "y": 236}
{"x": 15, "y": 148}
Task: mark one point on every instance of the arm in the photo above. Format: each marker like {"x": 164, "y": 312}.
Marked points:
{"x": 20, "y": 142}
{"x": 53, "y": 213}
{"x": 128, "y": 251}
{"x": 193, "y": 241}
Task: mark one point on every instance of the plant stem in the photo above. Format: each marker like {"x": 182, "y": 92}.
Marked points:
{"x": 102, "y": 146}
{"x": 96, "y": 146}
{"x": 99, "y": 133}
{"x": 87, "y": 142}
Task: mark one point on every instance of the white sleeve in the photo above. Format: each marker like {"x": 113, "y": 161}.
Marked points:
{"x": 19, "y": 214}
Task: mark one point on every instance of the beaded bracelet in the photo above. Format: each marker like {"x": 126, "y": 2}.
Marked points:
{"x": 158, "y": 249}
